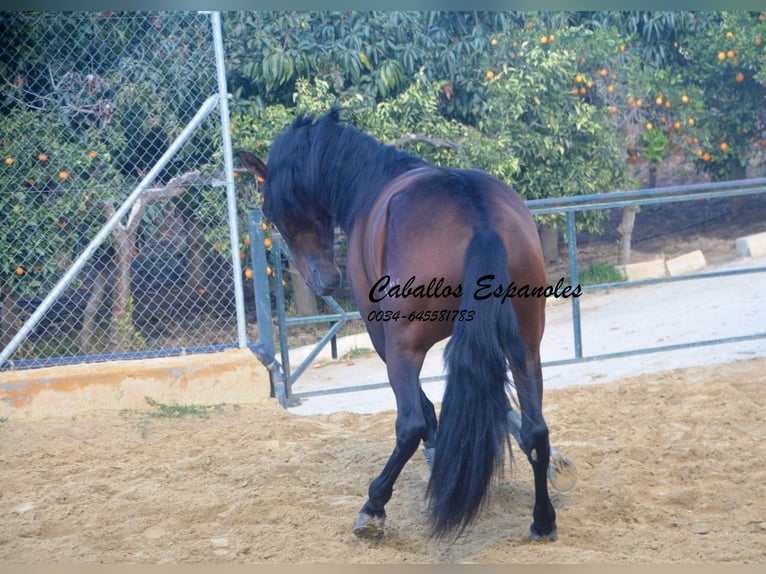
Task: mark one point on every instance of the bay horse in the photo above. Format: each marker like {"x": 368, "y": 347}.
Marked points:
{"x": 432, "y": 253}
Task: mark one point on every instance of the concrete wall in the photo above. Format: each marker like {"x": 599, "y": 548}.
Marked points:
{"x": 231, "y": 377}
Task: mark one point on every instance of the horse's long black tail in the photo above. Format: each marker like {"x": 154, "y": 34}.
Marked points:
{"x": 473, "y": 424}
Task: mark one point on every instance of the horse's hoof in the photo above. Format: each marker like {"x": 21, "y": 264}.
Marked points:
{"x": 429, "y": 454}
{"x": 369, "y": 526}
{"x": 562, "y": 472}
{"x": 536, "y": 536}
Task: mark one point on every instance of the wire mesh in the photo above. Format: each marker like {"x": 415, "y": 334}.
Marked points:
{"x": 88, "y": 104}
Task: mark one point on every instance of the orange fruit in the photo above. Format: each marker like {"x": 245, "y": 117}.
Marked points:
{"x": 42, "y": 157}
{"x": 740, "y": 77}
{"x": 731, "y": 54}
{"x": 249, "y": 273}
{"x": 578, "y": 79}
{"x": 92, "y": 154}
{"x": 63, "y": 175}
{"x": 544, "y": 40}
{"x": 724, "y": 146}
{"x": 729, "y": 35}
{"x": 667, "y": 104}
{"x": 610, "y": 89}
{"x": 613, "y": 109}
{"x": 217, "y": 246}
{"x": 267, "y": 243}
{"x": 201, "y": 290}
{"x": 530, "y": 25}
{"x": 677, "y": 125}
{"x": 622, "y": 48}
{"x": 690, "y": 121}
{"x": 583, "y": 91}
{"x": 493, "y": 42}
{"x": 684, "y": 99}
{"x": 9, "y": 161}
{"x": 246, "y": 240}
{"x": 706, "y": 157}
{"x": 649, "y": 126}
{"x": 269, "y": 270}
{"x": 603, "y": 72}
{"x": 721, "y": 56}
{"x": 551, "y": 38}
{"x": 638, "y": 103}
{"x": 758, "y": 41}
{"x": 658, "y": 100}
{"x": 19, "y": 271}
{"x": 490, "y": 74}
{"x": 699, "y": 153}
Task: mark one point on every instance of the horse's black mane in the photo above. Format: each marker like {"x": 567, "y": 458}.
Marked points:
{"x": 329, "y": 163}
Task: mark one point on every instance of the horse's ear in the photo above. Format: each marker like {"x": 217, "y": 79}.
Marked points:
{"x": 334, "y": 113}
{"x": 252, "y": 163}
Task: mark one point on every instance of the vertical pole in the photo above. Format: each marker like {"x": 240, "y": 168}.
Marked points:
{"x": 574, "y": 278}
{"x": 279, "y": 295}
{"x": 231, "y": 193}
{"x": 258, "y": 263}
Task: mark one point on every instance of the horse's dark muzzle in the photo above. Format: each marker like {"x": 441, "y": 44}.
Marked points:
{"x": 325, "y": 281}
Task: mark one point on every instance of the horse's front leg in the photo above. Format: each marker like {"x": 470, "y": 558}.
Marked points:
{"x": 403, "y": 372}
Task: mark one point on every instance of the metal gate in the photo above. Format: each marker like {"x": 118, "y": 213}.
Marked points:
{"x": 568, "y": 206}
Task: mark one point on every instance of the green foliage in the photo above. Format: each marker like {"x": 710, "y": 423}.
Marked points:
{"x": 564, "y": 144}
{"x": 51, "y": 188}
{"x": 727, "y": 64}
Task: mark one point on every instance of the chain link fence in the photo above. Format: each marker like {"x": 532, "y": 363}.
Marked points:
{"x": 89, "y": 102}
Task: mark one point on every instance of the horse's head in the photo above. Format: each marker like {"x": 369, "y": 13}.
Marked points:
{"x": 308, "y": 230}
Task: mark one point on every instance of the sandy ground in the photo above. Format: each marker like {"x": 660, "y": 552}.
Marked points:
{"x": 670, "y": 465}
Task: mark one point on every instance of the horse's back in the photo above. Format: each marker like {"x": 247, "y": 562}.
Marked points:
{"x": 418, "y": 232}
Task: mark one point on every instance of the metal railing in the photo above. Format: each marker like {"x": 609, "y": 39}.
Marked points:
{"x": 568, "y": 206}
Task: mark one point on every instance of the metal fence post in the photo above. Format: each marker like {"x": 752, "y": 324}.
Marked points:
{"x": 258, "y": 261}
{"x": 574, "y": 279}
{"x": 231, "y": 193}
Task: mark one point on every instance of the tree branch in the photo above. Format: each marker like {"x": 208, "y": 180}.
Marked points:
{"x": 436, "y": 142}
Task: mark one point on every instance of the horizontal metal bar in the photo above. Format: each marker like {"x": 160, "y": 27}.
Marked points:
{"x": 25, "y": 364}
{"x": 322, "y": 318}
{"x": 293, "y": 376}
{"x": 557, "y": 363}
{"x": 647, "y": 196}
{"x": 656, "y": 280}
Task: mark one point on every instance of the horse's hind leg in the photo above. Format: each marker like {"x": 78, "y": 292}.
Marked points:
{"x": 562, "y": 472}
{"x": 535, "y": 443}
{"x": 411, "y": 428}
{"x": 429, "y": 442}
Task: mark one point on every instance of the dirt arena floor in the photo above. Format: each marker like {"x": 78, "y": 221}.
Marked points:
{"x": 671, "y": 469}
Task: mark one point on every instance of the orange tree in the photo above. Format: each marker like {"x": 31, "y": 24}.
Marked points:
{"x": 541, "y": 102}
{"x": 51, "y": 186}
{"x": 727, "y": 63}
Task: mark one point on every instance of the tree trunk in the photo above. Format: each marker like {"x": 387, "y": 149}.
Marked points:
{"x": 124, "y": 334}
{"x": 196, "y": 281}
{"x": 629, "y": 219}
{"x": 9, "y": 313}
{"x": 739, "y": 203}
{"x": 626, "y": 232}
{"x": 305, "y": 299}
{"x": 549, "y": 238}
{"x": 87, "y": 345}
